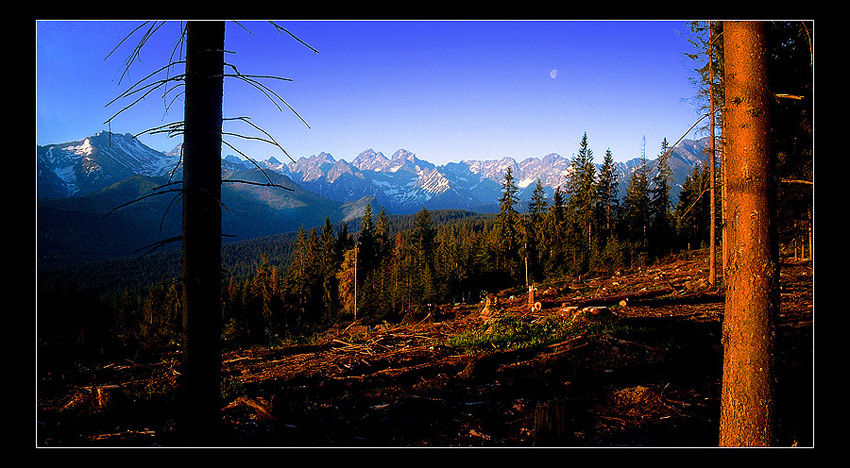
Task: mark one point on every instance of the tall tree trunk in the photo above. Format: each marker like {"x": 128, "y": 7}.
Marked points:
{"x": 712, "y": 249}
{"x": 202, "y": 232}
{"x": 746, "y": 406}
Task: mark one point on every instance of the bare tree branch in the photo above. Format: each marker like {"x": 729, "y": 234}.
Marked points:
{"x": 156, "y": 245}
{"x": 281, "y": 29}
{"x": 270, "y": 94}
{"x": 167, "y": 208}
{"x": 249, "y": 159}
{"x": 154, "y": 88}
{"x": 173, "y": 128}
{"x": 272, "y": 141}
{"x": 261, "y": 184}
{"x": 138, "y": 200}
{"x": 137, "y": 50}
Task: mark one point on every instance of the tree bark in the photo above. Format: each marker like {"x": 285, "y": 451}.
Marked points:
{"x": 747, "y": 399}
{"x": 712, "y": 258}
{"x": 202, "y": 232}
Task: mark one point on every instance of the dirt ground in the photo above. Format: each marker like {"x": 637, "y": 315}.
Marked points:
{"x": 654, "y": 383}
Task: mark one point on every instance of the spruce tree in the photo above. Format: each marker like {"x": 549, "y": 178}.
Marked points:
{"x": 554, "y": 237}
{"x": 538, "y": 204}
{"x": 636, "y": 208}
{"x": 535, "y": 230}
{"x": 660, "y": 235}
{"x": 328, "y": 266}
{"x": 581, "y": 188}
{"x": 381, "y": 276}
{"x": 264, "y": 289}
{"x": 366, "y": 243}
{"x": 367, "y": 264}
{"x": 423, "y": 250}
{"x": 606, "y": 198}
{"x": 748, "y": 394}
{"x": 692, "y": 214}
{"x": 382, "y": 236}
{"x": 507, "y": 230}
{"x": 298, "y": 279}
{"x": 346, "y": 280}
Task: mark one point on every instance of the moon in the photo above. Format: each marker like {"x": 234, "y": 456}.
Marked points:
{"x": 553, "y": 74}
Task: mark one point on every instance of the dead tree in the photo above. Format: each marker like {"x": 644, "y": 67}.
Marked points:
{"x": 203, "y": 83}
{"x": 712, "y": 249}
{"x": 746, "y": 406}
{"x": 202, "y": 230}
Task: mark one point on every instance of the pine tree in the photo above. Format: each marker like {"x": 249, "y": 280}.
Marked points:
{"x": 538, "y": 205}
{"x": 366, "y": 243}
{"x": 636, "y": 208}
{"x": 752, "y": 277}
{"x": 367, "y": 265}
{"x": 554, "y": 237}
{"x": 265, "y": 289}
{"x": 382, "y": 236}
{"x": 692, "y": 213}
{"x": 329, "y": 263}
{"x": 506, "y": 239}
{"x": 606, "y": 198}
{"x": 344, "y": 242}
{"x": 535, "y": 230}
{"x": 422, "y": 253}
{"x": 450, "y": 263}
{"x": 660, "y": 226}
{"x": 347, "y": 279}
{"x": 581, "y": 189}
{"x": 400, "y": 299}
{"x": 381, "y": 276}
{"x": 685, "y": 209}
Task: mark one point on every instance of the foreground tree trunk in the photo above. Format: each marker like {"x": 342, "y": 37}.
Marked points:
{"x": 712, "y": 255}
{"x": 746, "y": 406}
{"x": 202, "y": 232}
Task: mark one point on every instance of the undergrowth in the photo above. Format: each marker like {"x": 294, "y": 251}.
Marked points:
{"x": 513, "y": 332}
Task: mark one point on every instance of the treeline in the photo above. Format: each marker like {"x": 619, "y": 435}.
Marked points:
{"x": 386, "y": 268}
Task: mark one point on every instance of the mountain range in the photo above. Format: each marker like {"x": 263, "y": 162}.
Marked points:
{"x": 79, "y": 181}
{"x": 403, "y": 183}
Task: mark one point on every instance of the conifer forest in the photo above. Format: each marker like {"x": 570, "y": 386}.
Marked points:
{"x": 598, "y": 316}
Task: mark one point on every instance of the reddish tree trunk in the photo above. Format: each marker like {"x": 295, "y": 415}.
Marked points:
{"x": 712, "y": 250}
{"x": 202, "y": 231}
{"x": 746, "y": 407}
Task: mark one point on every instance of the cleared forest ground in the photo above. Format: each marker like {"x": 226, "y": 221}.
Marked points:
{"x": 642, "y": 372}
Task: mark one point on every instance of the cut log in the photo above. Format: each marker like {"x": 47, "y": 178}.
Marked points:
{"x": 616, "y": 298}
{"x": 588, "y": 314}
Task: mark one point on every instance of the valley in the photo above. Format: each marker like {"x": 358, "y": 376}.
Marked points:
{"x": 80, "y": 182}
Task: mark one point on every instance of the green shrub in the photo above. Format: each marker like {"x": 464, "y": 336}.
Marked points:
{"x": 512, "y": 332}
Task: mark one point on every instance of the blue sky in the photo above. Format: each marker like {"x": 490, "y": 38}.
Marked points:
{"x": 445, "y": 90}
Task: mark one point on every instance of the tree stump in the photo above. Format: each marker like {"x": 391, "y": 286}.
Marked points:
{"x": 491, "y": 305}
{"x": 550, "y": 423}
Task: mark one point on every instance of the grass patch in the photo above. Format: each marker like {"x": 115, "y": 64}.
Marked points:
{"x": 514, "y": 332}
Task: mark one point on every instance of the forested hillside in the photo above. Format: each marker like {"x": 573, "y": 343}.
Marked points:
{"x": 383, "y": 268}
{"x": 597, "y": 315}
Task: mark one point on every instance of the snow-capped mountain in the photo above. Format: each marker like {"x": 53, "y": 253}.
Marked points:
{"x": 94, "y": 163}
{"x": 402, "y": 183}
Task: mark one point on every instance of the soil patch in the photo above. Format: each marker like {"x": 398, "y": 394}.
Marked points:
{"x": 649, "y": 376}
